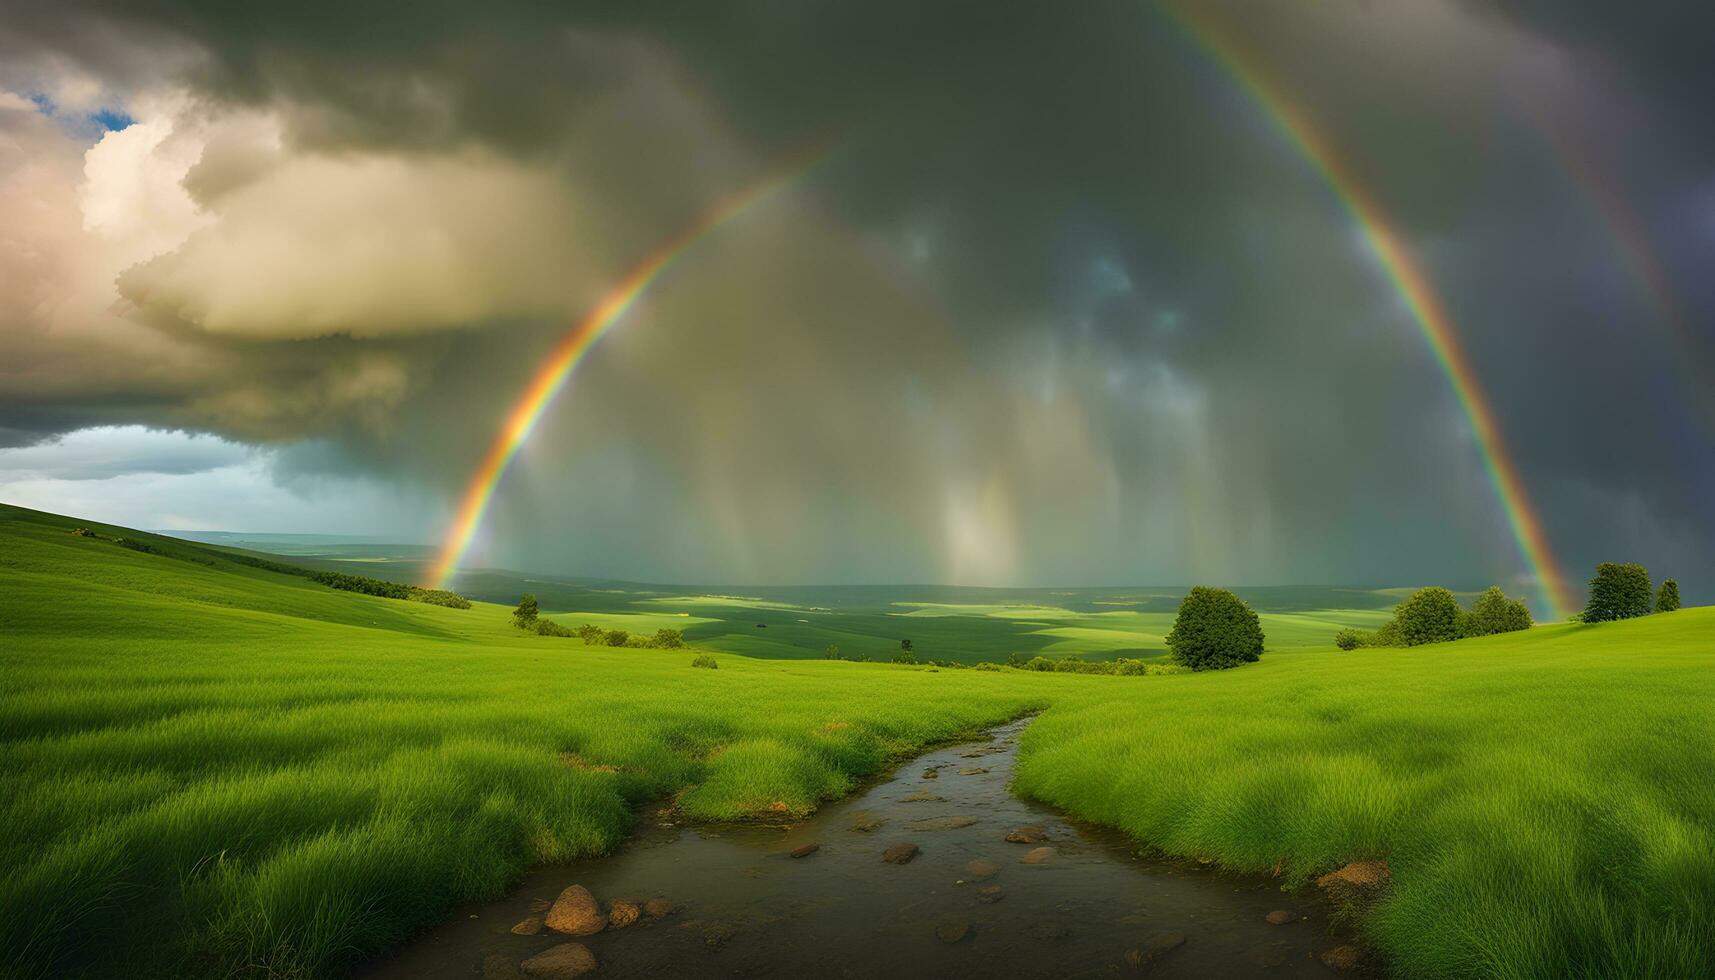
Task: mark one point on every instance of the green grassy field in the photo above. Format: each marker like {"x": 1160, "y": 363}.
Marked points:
{"x": 215, "y": 770}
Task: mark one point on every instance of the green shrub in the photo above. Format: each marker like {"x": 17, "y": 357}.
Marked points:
{"x": 1667, "y": 600}
{"x": 905, "y": 655}
{"x": 832, "y": 652}
{"x": 547, "y": 627}
{"x": 524, "y": 617}
{"x": 590, "y": 633}
{"x": 668, "y": 639}
{"x": 1215, "y": 630}
{"x": 1349, "y": 639}
{"x": 704, "y": 660}
{"x": 1494, "y": 613}
{"x": 1618, "y": 592}
{"x": 616, "y": 638}
{"x": 439, "y": 597}
{"x": 1431, "y": 615}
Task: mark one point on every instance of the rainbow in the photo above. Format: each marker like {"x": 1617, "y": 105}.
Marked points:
{"x": 1630, "y": 241}
{"x": 1407, "y": 278}
{"x": 564, "y": 358}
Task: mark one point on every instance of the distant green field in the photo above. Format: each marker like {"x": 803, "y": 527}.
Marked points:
{"x": 216, "y": 770}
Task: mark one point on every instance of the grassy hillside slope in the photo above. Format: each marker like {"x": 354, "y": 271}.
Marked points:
{"x": 211, "y": 769}
{"x": 1546, "y": 799}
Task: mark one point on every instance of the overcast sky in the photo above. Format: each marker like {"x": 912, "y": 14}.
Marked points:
{"x": 1065, "y": 305}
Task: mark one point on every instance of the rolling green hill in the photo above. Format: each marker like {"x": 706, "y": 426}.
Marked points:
{"x": 213, "y": 768}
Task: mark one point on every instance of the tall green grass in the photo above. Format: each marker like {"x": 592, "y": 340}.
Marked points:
{"x": 211, "y": 769}
{"x": 1546, "y": 799}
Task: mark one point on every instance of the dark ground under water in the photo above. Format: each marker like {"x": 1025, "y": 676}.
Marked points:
{"x": 746, "y": 908}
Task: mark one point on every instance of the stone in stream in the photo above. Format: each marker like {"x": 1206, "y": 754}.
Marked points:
{"x": 899, "y": 853}
{"x": 1280, "y": 917}
{"x": 576, "y": 913}
{"x": 931, "y": 774}
{"x": 655, "y": 908}
{"x": 981, "y": 868}
{"x": 562, "y": 962}
{"x": 864, "y": 821}
{"x": 1341, "y": 957}
{"x": 622, "y": 912}
{"x": 1156, "y": 945}
{"x": 499, "y": 966}
{"x": 805, "y": 850}
{"x": 952, "y": 932}
{"x": 990, "y": 894}
{"x": 529, "y": 927}
{"x": 1039, "y": 855}
{"x": 973, "y": 771}
{"x": 922, "y": 796}
{"x": 1033, "y": 833}
{"x": 942, "y": 823}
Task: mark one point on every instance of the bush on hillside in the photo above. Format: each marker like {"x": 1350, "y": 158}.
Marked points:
{"x": 668, "y": 639}
{"x": 1349, "y": 639}
{"x": 1667, "y": 600}
{"x": 524, "y": 617}
{"x": 616, "y": 638}
{"x": 1494, "y": 613}
{"x": 1618, "y": 592}
{"x": 1215, "y": 630}
{"x": 590, "y": 633}
{"x": 1431, "y": 615}
{"x": 363, "y": 584}
{"x": 906, "y": 655}
{"x": 439, "y": 597}
{"x": 547, "y": 627}
{"x": 704, "y": 660}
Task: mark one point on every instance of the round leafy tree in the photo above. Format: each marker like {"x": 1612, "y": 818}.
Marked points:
{"x": 1494, "y": 613}
{"x": 1618, "y": 592}
{"x": 1667, "y": 600}
{"x": 524, "y": 617}
{"x": 1431, "y": 615}
{"x": 1215, "y": 630}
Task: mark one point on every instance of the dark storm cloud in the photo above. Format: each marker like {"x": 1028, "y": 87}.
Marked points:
{"x": 1065, "y": 284}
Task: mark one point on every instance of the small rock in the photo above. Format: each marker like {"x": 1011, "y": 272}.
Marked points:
{"x": 990, "y": 894}
{"x": 655, "y": 908}
{"x": 1280, "y": 917}
{"x": 1038, "y": 855}
{"x": 622, "y": 912}
{"x": 1029, "y": 834}
{"x": 899, "y": 853}
{"x": 719, "y": 934}
{"x": 561, "y": 962}
{"x": 576, "y": 913}
{"x": 1157, "y": 943}
{"x": 499, "y": 966}
{"x": 981, "y": 868}
{"x": 1155, "y": 946}
{"x": 1341, "y": 957}
{"x": 864, "y": 821}
{"x": 922, "y": 796}
{"x": 942, "y": 823}
{"x": 952, "y": 932}
{"x": 805, "y": 850}
{"x": 973, "y": 771}
{"x": 931, "y": 774}
{"x": 529, "y": 927}
{"x": 1356, "y": 883}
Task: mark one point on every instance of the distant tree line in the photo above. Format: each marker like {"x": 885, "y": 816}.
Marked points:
{"x": 528, "y": 616}
{"x": 390, "y": 590}
{"x": 1433, "y": 615}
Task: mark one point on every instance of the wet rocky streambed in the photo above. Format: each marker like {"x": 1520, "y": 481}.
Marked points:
{"x": 938, "y": 871}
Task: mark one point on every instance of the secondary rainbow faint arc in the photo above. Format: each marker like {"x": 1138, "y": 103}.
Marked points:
{"x": 1412, "y": 284}
{"x": 564, "y": 358}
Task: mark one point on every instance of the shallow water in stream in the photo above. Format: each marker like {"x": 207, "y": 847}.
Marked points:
{"x": 746, "y": 908}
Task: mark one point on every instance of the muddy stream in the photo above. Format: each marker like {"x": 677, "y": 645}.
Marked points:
{"x": 970, "y": 903}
